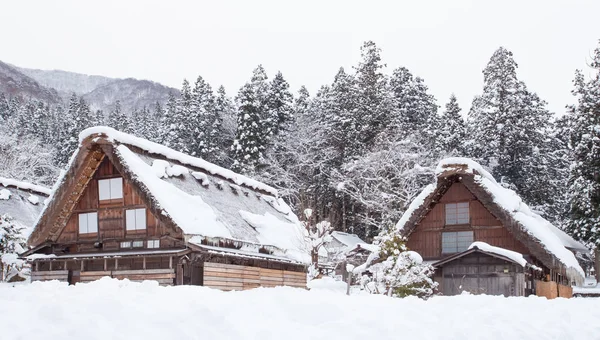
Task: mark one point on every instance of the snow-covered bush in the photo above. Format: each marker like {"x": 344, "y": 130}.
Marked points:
{"x": 397, "y": 271}
{"x": 10, "y": 245}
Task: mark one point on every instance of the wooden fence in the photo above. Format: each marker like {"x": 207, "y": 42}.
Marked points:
{"x": 235, "y": 277}
{"x": 552, "y": 290}
{"x": 163, "y": 276}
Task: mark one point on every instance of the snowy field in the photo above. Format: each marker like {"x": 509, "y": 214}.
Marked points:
{"x": 111, "y": 309}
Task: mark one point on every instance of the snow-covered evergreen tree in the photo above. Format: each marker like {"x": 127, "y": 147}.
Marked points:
{"x": 452, "y": 132}
{"x": 584, "y": 180}
{"x": 508, "y": 126}
{"x": 76, "y": 119}
{"x": 117, "y": 119}
{"x": 280, "y": 104}
{"x": 11, "y": 245}
{"x": 205, "y": 117}
{"x": 226, "y": 113}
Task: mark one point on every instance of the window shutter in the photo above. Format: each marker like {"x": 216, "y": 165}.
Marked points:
{"x": 92, "y": 222}
{"x": 130, "y": 219}
{"x": 104, "y": 189}
{"x": 116, "y": 188}
{"x": 140, "y": 219}
{"x": 83, "y": 219}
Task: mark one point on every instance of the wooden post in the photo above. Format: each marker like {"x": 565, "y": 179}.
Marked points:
{"x": 37, "y": 265}
{"x": 144, "y": 262}
{"x": 597, "y": 263}
{"x": 82, "y": 267}
{"x": 170, "y": 262}
{"x": 116, "y": 263}
{"x": 105, "y": 267}
{"x": 50, "y": 265}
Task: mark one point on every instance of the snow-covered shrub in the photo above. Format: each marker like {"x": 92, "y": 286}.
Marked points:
{"x": 10, "y": 245}
{"x": 317, "y": 235}
{"x": 398, "y": 271}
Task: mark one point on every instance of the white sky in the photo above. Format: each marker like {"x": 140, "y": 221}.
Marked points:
{"x": 445, "y": 42}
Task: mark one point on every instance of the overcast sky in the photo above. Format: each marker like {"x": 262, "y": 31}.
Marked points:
{"x": 445, "y": 42}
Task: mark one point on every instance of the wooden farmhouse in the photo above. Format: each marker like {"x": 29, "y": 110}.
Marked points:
{"x": 482, "y": 238}
{"x": 130, "y": 208}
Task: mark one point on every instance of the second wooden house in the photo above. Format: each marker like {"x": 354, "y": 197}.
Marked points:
{"x": 482, "y": 238}
{"x": 131, "y": 208}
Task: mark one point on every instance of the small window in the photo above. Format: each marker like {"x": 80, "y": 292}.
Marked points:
{"x": 152, "y": 244}
{"x": 135, "y": 219}
{"x": 88, "y": 223}
{"x": 138, "y": 244}
{"x": 126, "y": 244}
{"x": 109, "y": 189}
{"x": 456, "y": 241}
{"x": 457, "y": 213}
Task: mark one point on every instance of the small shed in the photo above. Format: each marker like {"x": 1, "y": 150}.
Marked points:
{"x": 484, "y": 269}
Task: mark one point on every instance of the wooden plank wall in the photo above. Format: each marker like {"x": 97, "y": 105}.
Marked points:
{"x": 426, "y": 239}
{"x": 60, "y": 275}
{"x": 235, "y": 277}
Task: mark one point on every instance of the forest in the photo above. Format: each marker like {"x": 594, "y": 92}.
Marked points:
{"x": 358, "y": 150}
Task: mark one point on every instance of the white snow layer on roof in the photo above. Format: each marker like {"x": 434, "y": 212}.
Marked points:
{"x": 6, "y": 182}
{"x": 120, "y": 137}
{"x": 22, "y": 205}
{"x": 209, "y": 211}
{"x": 513, "y": 255}
{"x": 350, "y": 240}
{"x": 532, "y": 223}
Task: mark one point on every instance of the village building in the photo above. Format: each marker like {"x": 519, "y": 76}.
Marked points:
{"x": 20, "y": 204}
{"x": 131, "y": 208}
{"x": 343, "y": 248}
{"x": 483, "y": 239}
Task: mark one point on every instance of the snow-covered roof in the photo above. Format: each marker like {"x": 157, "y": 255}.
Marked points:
{"x": 513, "y": 255}
{"x": 158, "y": 149}
{"x": 350, "y": 240}
{"x": 23, "y": 201}
{"x": 551, "y": 239}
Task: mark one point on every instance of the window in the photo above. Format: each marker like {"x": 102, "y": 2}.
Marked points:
{"x": 457, "y": 213}
{"x": 135, "y": 219}
{"x": 126, "y": 244}
{"x": 88, "y": 223}
{"x": 456, "y": 241}
{"x": 138, "y": 244}
{"x": 153, "y": 244}
{"x": 109, "y": 189}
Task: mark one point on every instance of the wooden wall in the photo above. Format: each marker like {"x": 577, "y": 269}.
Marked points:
{"x": 111, "y": 218}
{"x": 426, "y": 239}
{"x": 235, "y": 277}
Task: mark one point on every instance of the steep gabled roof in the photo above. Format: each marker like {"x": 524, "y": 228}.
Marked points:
{"x": 23, "y": 201}
{"x": 207, "y": 203}
{"x": 546, "y": 242}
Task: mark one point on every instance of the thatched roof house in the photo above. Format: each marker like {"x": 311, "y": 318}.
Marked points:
{"x": 124, "y": 196}
{"x": 466, "y": 204}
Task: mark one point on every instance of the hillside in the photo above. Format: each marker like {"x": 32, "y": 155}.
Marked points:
{"x": 66, "y": 82}
{"x": 132, "y": 94}
{"x": 15, "y": 83}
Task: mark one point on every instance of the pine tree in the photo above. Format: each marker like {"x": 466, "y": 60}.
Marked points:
{"x": 280, "y": 104}
{"x": 11, "y": 244}
{"x": 226, "y": 113}
{"x": 372, "y": 100}
{"x": 254, "y": 124}
{"x": 584, "y": 180}
{"x": 76, "y": 119}
{"x": 452, "y": 132}
{"x": 118, "y": 120}
{"x": 508, "y": 124}
{"x": 207, "y": 123}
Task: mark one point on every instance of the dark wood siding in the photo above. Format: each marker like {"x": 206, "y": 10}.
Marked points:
{"x": 111, "y": 218}
{"x": 426, "y": 239}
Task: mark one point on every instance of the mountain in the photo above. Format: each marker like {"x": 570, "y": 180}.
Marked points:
{"x": 99, "y": 92}
{"x": 66, "y": 82}
{"x": 132, "y": 93}
{"x": 15, "y": 83}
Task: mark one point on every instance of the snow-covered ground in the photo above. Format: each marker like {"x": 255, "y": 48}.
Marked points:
{"x": 111, "y": 309}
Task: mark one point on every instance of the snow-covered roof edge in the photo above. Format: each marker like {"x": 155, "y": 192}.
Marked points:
{"x": 513, "y": 255}
{"x": 155, "y": 148}
{"x": 9, "y": 182}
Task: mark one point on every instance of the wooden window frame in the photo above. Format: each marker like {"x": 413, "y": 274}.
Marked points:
{"x": 153, "y": 244}
{"x": 457, "y": 210}
{"x": 111, "y": 186}
{"x": 135, "y": 214}
{"x": 88, "y": 216}
{"x": 458, "y": 245}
